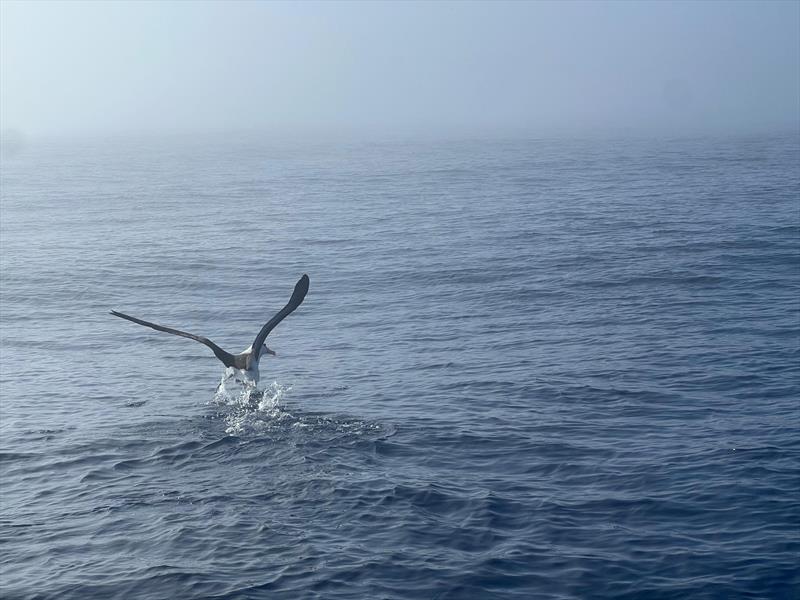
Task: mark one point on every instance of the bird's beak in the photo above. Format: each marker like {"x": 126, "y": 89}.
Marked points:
{"x": 272, "y": 352}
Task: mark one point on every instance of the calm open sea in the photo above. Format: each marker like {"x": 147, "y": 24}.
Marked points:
{"x": 539, "y": 369}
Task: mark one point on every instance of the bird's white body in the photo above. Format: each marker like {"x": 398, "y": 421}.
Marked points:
{"x": 249, "y": 376}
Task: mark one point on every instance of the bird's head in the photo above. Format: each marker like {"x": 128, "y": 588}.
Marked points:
{"x": 265, "y": 350}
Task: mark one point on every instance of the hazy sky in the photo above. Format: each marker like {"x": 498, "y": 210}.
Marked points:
{"x": 399, "y": 68}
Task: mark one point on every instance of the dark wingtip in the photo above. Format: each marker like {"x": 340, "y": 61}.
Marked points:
{"x": 300, "y": 290}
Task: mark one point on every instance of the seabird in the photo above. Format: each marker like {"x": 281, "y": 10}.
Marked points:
{"x": 246, "y": 361}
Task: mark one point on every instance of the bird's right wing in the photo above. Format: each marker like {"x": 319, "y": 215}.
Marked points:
{"x": 225, "y": 357}
{"x": 300, "y": 291}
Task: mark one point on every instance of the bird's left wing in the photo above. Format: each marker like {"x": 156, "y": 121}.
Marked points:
{"x": 225, "y": 357}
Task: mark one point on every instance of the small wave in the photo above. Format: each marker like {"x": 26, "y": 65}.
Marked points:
{"x": 135, "y": 403}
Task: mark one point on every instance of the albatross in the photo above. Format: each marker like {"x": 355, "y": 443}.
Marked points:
{"x": 246, "y": 362}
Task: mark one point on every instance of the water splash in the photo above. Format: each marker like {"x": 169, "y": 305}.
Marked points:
{"x": 251, "y": 411}
{"x": 248, "y": 408}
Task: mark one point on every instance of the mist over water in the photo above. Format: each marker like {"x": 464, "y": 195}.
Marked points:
{"x": 420, "y": 69}
{"x": 532, "y": 369}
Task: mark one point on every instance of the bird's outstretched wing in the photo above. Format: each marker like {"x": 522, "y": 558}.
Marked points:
{"x": 225, "y": 357}
{"x": 300, "y": 291}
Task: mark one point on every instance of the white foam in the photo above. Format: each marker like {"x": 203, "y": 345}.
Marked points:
{"x": 250, "y": 408}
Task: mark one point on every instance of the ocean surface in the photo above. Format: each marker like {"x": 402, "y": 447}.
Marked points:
{"x": 524, "y": 369}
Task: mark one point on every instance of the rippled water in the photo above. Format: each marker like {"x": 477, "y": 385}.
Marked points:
{"x": 544, "y": 369}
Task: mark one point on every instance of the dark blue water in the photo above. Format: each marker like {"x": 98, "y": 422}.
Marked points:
{"x": 541, "y": 369}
